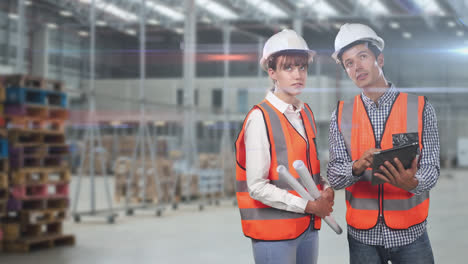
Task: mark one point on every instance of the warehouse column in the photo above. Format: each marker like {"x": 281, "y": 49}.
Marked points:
{"x": 40, "y": 57}
{"x": 21, "y": 38}
{"x": 226, "y": 148}
{"x": 189, "y": 142}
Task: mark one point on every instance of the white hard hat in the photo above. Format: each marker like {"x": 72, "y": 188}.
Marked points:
{"x": 287, "y": 39}
{"x": 350, "y": 33}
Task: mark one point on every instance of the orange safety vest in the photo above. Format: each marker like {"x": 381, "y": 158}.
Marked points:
{"x": 263, "y": 222}
{"x": 400, "y": 209}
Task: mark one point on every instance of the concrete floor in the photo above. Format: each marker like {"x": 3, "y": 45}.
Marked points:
{"x": 213, "y": 235}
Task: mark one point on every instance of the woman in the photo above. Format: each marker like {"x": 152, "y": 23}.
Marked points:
{"x": 281, "y": 129}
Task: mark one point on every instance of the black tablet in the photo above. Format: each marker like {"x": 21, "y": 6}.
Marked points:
{"x": 405, "y": 154}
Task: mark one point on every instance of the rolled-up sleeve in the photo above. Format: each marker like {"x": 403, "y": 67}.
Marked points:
{"x": 429, "y": 166}
{"x": 340, "y": 166}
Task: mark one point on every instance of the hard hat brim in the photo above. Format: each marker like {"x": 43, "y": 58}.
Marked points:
{"x": 378, "y": 42}
{"x": 263, "y": 61}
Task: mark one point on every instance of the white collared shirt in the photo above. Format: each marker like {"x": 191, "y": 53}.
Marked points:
{"x": 257, "y": 148}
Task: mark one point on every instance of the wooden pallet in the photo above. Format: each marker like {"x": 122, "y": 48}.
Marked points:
{"x": 54, "y": 85}
{"x": 25, "y": 137}
{"x": 29, "y": 244}
{"x": 38, "y": 204}
{"x": 26, "y": 110}
{"x": 58, "y": 113}
{"x": 19, "y": 80}
{"x": 3, "y": 180}
{"x": 40, "y": 175}
{"x": 3, "y": 208}
{"x": 41, "y": 216}
{"x": 40, "y": 191}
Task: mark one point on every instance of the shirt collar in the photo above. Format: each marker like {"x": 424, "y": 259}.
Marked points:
{"x": 283, "y": 106}
{"x": 387, "y": 98}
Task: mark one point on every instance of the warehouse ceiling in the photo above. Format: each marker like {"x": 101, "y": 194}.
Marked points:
{"x": 261, "y": 18}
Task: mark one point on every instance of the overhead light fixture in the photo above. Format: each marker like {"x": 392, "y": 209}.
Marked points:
{"x": 166, "y": 11}
{"x": 52, "y": 25}
{"x": 321, "y": 7}
{"x": 267, "y": 8}
{"x": 27, "y": 3}
{"x": 407, "y": 35}
{"x": 205, "y": 19}
{"x": 463, "y": 51}
{"x": 12, "y": 15}
{"x": 65, "y": 13}
{"x": 451, "y": 24}
{"x": 460, "y": 33}
{"x": 101, "y": 23}
{"x": 217, "y": 9}
{"x": 375, "y": 7}
{"x": 430, "y": 7}
{"x": 113, "y": 10}
{"x": 153, "y": 22}
{"x": 131, "y": 32}
{"x": 179, "y": 30}
{"x": 394, "y": 25}
{"x": 83, "y": 33}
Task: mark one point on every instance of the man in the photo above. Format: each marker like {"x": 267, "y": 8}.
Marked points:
{"x": 386, "y": 222}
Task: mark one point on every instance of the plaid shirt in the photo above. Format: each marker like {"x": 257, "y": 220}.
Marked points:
{"x": 340, "y": 168}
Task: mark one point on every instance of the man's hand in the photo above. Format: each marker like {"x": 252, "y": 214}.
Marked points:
{"x": 321, "y": 207}
{"x": 364, "y": 162}
{"x": 399, "y": 176}
{"x": 328, "y": 194}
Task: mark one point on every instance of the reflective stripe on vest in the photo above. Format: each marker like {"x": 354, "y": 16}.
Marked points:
{"x": 400, "y": 209}
{"x": 260, "y": 221}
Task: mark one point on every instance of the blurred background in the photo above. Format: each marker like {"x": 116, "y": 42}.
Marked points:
{"x": 155, "y": 93}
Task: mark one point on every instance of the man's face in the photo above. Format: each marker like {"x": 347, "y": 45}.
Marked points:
{"x": 362, "y": 67}
{"x": 290, "y": 79}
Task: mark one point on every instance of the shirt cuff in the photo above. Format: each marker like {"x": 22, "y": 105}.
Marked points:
{"x": 419, "y": 188}
{"x": 350, "y": 169}
{"x": 301, "y": 203}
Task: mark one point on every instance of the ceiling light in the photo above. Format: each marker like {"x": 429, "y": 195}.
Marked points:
{"x": 179, "y": 30}
{"x": 83, "y": 33}
{"x": 65, "y": 13}
{"x": 166, "y": 11}
{"x": 430, "y": 7}
{"x": 205, "y": 19}
{"x": 27, "y": 3}
{"x": 451, "y": 24}
{"x": 267, "y": 8}
{"x": 394, "y": 25}
{"x": 406, "y": 35}
{"x": 153, "y": 22}
{"x": 374, "y": 6}
{"x": 321, "y": 7}
{"x": 52, "y": 25}
{"x": 460, "y": 33}
{"x": 112, "y": 9}
{"x": 217, "y": 9}
{"x": 101, "y": 23}
{"x": 13, "y": 16}
{"x": 131, "y": 32}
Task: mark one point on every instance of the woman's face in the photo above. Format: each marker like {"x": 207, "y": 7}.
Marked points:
{"x": 290, "y": 74}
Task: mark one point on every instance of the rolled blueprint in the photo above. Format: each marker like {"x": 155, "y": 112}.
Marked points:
{"x": 284, "y": 173}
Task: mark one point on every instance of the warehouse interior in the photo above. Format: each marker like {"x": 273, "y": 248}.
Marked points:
{"x": 142, "y": 101}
